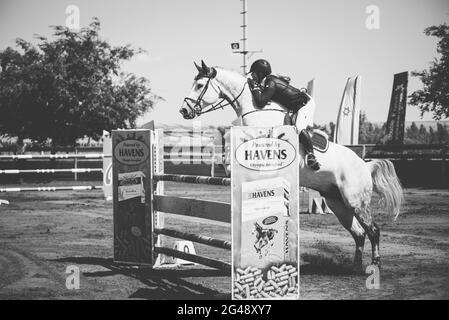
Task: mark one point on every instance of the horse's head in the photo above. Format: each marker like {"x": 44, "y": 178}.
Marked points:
{"x": 205, "y": 92}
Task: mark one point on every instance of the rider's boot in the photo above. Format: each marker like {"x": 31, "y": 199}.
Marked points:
{"x": 306, "y": 141}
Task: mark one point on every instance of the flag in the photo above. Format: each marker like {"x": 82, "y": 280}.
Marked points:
{"x": 398, "y": 105}
{"x": 347, "y": 128}
{"x": 311, "y": 87}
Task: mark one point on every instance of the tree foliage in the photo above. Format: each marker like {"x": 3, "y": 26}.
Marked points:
{"x": 69, "y": 87}
{"x": 371, "y": 133}
{"x": 434, "y": 97}
{"x": 424, "y": 135}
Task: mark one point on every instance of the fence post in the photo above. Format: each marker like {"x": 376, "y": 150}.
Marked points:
{"x": 444, "y": 178}
{"x": 212, "y": 169}
{"x": 76, "y": 165}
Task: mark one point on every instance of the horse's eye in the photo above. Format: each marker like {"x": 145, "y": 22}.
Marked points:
{"x": 199, "y": 86}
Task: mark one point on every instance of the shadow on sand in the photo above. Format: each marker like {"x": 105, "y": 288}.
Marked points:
{"x": 160, "y": 283}
{"x": 319, "y": 264}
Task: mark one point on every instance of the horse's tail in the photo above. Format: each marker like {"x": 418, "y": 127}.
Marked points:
{"x": 387, "y": 185}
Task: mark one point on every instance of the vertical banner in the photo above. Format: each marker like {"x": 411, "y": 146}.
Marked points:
{"x": 347, "y": 128}
{"x": 131, "y": 158}
{"x": 398, "y": 105}
{"x": 265, "y": 213}
{"x": 311, "y": 87}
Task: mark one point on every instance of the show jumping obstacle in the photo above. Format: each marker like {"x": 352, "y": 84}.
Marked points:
{"x": 140, "y": 234}
{"x": 139, "y": 204}
{"x": 210, "y": 210}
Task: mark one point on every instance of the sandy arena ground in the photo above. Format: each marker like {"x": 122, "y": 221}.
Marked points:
{"x": 43, "y": 233}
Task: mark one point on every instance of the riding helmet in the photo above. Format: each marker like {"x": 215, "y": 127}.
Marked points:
{"x": 261, "y": 67}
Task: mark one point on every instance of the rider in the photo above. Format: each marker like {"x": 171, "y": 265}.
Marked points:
{"x": 265, "y": 87}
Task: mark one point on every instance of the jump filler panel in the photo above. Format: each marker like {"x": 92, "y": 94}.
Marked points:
{"x": 265, "y": 219}
{"x": 131, "y": 174}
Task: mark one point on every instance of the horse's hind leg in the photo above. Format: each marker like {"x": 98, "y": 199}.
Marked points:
{"x": 346, "y": 217}
{"x": 373, "y": 232}
{"x": 361, "y": 203}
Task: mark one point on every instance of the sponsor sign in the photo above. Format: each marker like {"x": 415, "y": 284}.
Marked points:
{"x": 265, "y": 207}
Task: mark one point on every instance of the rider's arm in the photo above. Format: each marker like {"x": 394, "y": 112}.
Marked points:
{"x": 262, "y": 95}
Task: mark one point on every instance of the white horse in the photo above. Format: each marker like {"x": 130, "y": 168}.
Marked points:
{"x": 344, "y": 180}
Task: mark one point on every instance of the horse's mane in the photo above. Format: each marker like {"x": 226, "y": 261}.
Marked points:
{"x": 229, "y": 70}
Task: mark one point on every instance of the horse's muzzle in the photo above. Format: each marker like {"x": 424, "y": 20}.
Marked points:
{"x": 186, "y": 114}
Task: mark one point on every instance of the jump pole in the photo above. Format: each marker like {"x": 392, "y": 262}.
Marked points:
{"x": 194, "y": 258}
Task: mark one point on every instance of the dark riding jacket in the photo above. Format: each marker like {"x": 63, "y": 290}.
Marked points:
{"x": 280, "y": 91}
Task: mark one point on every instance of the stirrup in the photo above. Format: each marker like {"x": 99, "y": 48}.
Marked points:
{"x": 311, "y": 162}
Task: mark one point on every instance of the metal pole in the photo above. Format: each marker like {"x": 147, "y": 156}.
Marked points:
{"x": 217, "y": 243}
{"x": 217, "y": 264}
{"x": 244, "y": 38}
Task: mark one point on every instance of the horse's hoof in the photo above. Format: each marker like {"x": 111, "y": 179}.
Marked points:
{"x": 376, "y": 262}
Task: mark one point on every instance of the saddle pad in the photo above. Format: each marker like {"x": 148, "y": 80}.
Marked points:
{"x": 320, "y": 140}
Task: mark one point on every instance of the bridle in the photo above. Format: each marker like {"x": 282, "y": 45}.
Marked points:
{"x": 196, "y": 109}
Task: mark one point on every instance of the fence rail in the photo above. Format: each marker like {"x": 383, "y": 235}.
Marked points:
{"x": 53, "y": 156}
{"x": 76, "y": 170}
{"x": 72, "y": 188}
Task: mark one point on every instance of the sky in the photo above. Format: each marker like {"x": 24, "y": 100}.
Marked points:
{"x": 322, "y": 39}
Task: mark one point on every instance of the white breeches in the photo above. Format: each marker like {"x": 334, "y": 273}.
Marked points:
{"x": 305, "y": 115}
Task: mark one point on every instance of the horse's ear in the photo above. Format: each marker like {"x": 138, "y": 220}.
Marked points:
{"x": 212, "y": 73}
{"x": 204, "y": 67}
{"x": 197, "y": 67}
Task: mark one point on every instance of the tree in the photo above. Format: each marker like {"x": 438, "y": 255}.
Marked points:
{"x": 69, "y": 87}
{"x": 370, "y": 133}
{"x": 442, "y": 134}
{"x": 434, "y": 97}
{"x": 412, "y": 134}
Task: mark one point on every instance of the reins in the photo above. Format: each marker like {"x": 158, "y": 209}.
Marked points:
{"x": 252, "y": 111}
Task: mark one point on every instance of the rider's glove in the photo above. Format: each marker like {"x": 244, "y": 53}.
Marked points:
{"x": 252, "y": 84}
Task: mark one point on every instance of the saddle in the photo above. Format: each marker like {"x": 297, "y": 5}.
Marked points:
{"x": 320, "y": 139}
